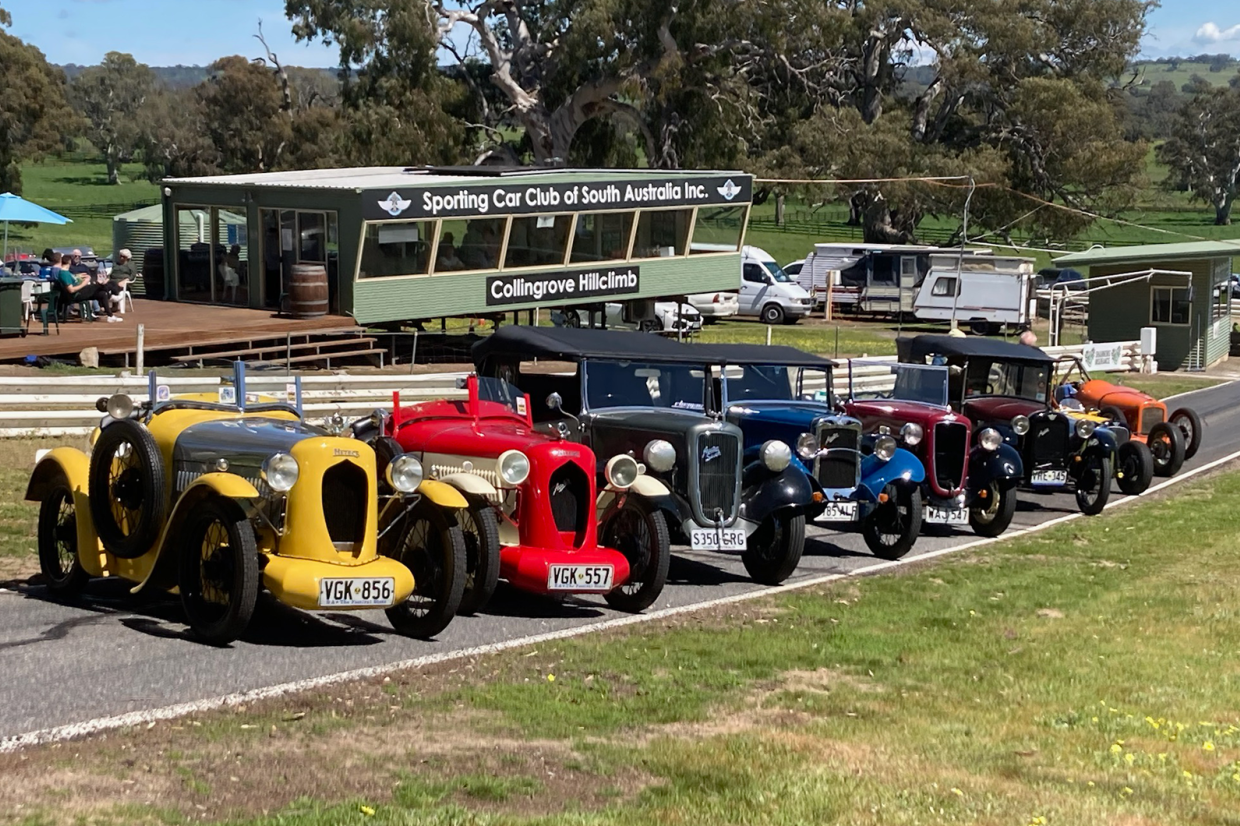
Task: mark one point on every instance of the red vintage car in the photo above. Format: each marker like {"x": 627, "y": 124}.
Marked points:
{"x": 531, "y": 518}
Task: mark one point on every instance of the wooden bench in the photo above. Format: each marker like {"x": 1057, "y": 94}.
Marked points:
{"x": 279, "y": 352}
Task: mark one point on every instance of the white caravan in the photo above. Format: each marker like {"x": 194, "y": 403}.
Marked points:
{"x": 983, "y": 293}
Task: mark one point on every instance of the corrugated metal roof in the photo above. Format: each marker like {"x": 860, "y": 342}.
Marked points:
{"x": 385, "y": 177}
{"x": 1151, "y": 252}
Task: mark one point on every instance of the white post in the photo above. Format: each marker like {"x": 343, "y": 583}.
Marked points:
{"x": 768, "y": 335}
{"x": 141, "y": 347}
{"x": 964, "y": 238}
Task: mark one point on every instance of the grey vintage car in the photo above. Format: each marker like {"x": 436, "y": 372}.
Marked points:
{"x": 651, "y": 398}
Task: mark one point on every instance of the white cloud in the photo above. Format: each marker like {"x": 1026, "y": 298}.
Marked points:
{"x": 1211, "y": 33}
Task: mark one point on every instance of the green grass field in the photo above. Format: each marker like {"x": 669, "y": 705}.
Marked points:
{"x": 1084, "y": 674}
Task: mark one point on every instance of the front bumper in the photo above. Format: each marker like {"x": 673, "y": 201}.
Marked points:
{"x": 529, "y": 568}
{"x": 295, "y": 582}
{"x": 717, "y": 310}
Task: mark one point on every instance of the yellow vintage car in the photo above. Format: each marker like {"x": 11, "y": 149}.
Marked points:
{"x": 215, "y": 496}
{"x": 1133, "y": 461}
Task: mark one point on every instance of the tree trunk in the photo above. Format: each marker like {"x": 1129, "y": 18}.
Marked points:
{"x": 1222, "y": 211}
{"x": 856, "y": 206}
{"x": 780, "y": 200}
{"x": 113, "y": 164}
{"x": 879, "y": 227}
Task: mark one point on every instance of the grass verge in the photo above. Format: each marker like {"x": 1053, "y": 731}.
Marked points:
{"x": 1080, "y": 675}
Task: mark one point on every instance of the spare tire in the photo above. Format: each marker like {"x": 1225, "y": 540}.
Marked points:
{"x": 128, "y": 489}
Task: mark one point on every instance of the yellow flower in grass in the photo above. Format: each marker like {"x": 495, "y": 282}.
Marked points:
{"x": 366, "y": 810}
{"x": 1152, "y": 722}
{"x": 551, "y": 678}
{"x": 1130, "y": 758}
{"x": 1207, "y": 746}
{"x": 1162, "y": 757}
{"x": 1124, "y": 792}
{"x": 1116, "y": 748}
{"x": 957, "y": 792}
{"x": 1188, "y": 775}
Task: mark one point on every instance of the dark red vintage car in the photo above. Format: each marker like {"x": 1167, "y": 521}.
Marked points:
{"x": 969, "y": 479}
{"x": 532, "y": 495}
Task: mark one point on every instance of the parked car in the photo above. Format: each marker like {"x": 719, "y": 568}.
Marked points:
{"x": 1056, "y": 278}
{"x": 1004, "y": 388}
{"x": 649, "y": 398}
{"x": 1171, "y": 439}
{"x": 531, "y": 493}
{"x": 714, "y": 306}
{"x": 971, "y": 474}
{"x": 855, "y": 479}
{"x": 767, "y": 292}
{"x": 219, "y": 496}
{"x": 793, "y": 268}
{"x": 88, "y": 256}
{"x": 644, "y": 316}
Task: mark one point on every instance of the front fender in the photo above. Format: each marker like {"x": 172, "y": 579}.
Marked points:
{"x": 1101, "y": 441}
{"x": 469, "y": 483}
{"x": 763, "y": 492}
{"x": 74, "y": 466}
{"x": 442, "y": 494}
{"x": 1003, "y": 466}
{"x": 903, "y": 466}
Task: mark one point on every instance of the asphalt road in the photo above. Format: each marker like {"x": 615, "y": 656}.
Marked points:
{"x": 112, "y": 654}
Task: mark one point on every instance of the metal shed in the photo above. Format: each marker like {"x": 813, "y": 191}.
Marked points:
{"x": 1193, "y": 319}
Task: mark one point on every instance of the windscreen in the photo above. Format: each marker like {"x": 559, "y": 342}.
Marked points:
{"x": 759, "y": 382}
{"x": 900, "y": 382}
{"x": 501, "y": 392}
{"x": 777, "y": 271}
{"x": 637, "y": 384}
{"x": 1015, "y": 379}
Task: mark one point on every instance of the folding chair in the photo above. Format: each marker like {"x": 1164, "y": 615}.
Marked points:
{"x": 50, "y": 307}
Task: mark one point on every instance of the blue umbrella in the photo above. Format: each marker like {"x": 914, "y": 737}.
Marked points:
{"x": 15, "y": 208}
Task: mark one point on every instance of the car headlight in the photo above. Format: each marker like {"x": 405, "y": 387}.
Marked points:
{"x": 280, "y": 472}
{"x": 1085, "y": 428}
{"x": 990, "y": 439}
{"x": 621, "y": 471}
{"x": 807, "y": 446}
{"x": 513, "y": 467}
{"x": 1020, "y": 425}
{"x": 660, "y": 455}
{"x": 885, "y": 447}
{"x": 404, "y": 473}
{"x": 912, "y": 433}
{"x": 776, "y": 455}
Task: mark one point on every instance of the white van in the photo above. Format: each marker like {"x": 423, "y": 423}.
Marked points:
{"x": 768, "y": 292}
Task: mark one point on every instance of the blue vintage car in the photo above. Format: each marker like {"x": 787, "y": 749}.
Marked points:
{"x": 857, "y": 480}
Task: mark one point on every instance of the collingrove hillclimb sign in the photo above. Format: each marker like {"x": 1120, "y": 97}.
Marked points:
{"x": 525, "y": 288}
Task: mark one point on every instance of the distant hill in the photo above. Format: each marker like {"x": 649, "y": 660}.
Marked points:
{"x": 180, "y": 77}
{"x": 1216, "y": 70}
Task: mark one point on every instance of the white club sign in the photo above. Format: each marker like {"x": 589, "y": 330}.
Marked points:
{"x": 1103, "y": 357}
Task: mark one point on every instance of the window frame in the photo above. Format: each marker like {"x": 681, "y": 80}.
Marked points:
{"x": 1154, "y": 290}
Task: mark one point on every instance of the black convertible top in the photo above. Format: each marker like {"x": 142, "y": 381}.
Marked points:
{"x": 573, "y": 344}
{"x": 917, "y": 348}
{"x": 761, "y": 354}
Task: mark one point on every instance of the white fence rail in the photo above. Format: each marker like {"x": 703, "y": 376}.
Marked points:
{"x": 63, "y": 406}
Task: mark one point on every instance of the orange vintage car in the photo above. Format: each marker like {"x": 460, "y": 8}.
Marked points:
{"x": 1171, "y": 439}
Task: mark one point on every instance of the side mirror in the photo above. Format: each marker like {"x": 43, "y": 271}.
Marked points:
{"x": 555, "y": 402}
{"x": 101, "y": 404}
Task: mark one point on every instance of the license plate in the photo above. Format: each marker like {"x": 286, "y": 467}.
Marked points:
{"x": 839, "y": 512}
{"x": 717, "y": 539}
{"x": 946, "y": 516}
{"x": 1049, "y": 477}
{"x": 579, "y": 578}
{"x": 356, "y": 592}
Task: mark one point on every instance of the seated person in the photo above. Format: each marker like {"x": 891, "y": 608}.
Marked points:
{"x": 77, "y": 289}
{"x": 123, "y": 271}
{"x": 448, "y": 259}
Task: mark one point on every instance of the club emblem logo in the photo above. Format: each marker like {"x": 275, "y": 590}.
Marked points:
{"x": 559, "y": 488}
{"x": 711, "y": 453}
{"x": 1043, "y": 432}
{"x": 394, "y": 204}
{"x": 832, "y": 438}
{"x": 729, "y": 190}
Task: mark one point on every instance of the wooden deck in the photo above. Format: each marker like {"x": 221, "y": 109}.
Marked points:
{"x": 171, "y": 329}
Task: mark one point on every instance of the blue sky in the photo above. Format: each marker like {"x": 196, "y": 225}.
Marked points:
{"x": 188, "y": 32}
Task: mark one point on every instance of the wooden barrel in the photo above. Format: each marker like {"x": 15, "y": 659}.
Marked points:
{"x": 307, "y": 290}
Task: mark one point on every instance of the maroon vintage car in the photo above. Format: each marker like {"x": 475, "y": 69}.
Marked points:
{"x": 532, "y": 495}
{"x": 968, "y": 481}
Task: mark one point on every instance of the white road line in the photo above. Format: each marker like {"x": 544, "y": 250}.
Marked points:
{"x": 1200, "y": 390}
{"x": 134, "y": 718}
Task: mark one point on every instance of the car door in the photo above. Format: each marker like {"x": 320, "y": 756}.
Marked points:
{"x": 754, "y": 286}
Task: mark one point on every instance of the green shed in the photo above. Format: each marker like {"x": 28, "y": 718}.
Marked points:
{"x": 1191, "y": 314}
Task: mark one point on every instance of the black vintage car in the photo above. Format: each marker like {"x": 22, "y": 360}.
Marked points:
{"x": 651, "y": 398}
{"x": 1006, "y": 388}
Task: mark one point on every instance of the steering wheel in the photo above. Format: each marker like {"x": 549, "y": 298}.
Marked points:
{"x": 990, "y": 388}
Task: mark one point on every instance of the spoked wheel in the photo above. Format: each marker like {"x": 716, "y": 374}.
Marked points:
{"x": 638, "y": 531}
{"x": 774, "y": 549}
{"x": 1093, "y": 484}
{"x": 58, "y": 547}
{"x": 1134, "y": 468}
{"x": 219, "y": 571}
{"x": 996, "y": 511}
{"x": 480, "y": 531}
{"x": 432, "y": 547}
{"x": 1191, "y": 426}
{"x": 128, "y": 488}
{"x": 1166, "y": 442}
{"x": 893, "y": 527}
